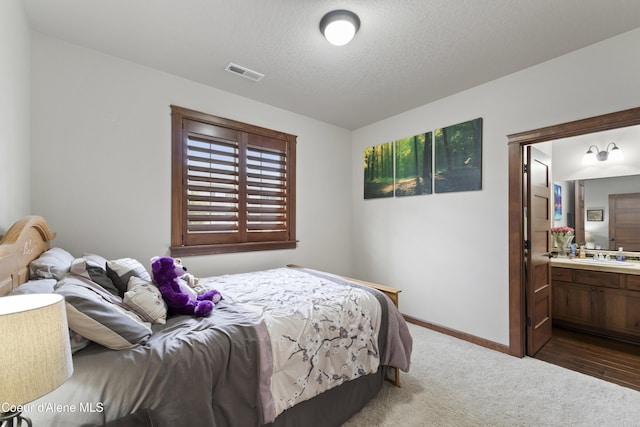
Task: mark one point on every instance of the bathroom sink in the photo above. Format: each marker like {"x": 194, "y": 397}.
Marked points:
{"x": 611, "y": 262}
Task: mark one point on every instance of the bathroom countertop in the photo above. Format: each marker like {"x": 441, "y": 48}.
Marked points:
{"x": 629, "y": 267}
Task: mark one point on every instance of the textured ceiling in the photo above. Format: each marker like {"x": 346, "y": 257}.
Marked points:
{"x": 406, "y": 54}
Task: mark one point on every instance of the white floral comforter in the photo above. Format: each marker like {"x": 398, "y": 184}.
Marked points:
{"x": 321, "y": 333}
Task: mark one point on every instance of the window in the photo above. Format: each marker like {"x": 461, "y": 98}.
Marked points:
{"x": 233, "y": 186}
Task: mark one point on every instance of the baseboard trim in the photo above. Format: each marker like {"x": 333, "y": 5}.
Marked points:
{"x": 460, "y": 335}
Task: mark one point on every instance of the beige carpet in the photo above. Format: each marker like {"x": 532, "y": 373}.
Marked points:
{"x": 456, "y": 383}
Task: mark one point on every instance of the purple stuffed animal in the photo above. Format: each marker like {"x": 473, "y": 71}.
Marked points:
{"x": 166, "y": 273}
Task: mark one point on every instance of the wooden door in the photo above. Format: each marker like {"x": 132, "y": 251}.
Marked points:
{"x": 538, "y": 269}
{"x": 624, "y": 221}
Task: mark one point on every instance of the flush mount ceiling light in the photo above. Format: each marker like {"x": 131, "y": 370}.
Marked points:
{"x": 592, "y": 157}
{"x": 339, "y": 26}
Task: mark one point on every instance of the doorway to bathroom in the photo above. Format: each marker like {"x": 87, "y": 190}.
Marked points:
{"x": 519, "y": 318}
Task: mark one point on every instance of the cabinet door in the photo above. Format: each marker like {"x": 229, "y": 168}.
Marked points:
{"x": 620, "y": 310}
{"x": 575, "y": 303}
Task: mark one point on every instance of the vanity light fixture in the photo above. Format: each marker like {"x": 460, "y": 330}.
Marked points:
{"x": 592, "y": 157}
{"x": 339, "y": 26}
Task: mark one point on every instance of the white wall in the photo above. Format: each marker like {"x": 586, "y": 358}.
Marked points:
{"x": 101, "y": 162}
{"x": 448, "y": 252}
{"x": 15, "y": 65}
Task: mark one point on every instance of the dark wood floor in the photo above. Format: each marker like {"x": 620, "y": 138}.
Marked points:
{"x": 610, "y": 360}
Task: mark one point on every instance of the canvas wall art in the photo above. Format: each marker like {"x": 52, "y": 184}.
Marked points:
{"x": 458, "y": 157}
{"x": 413, "y": 165}
{"x": 378, "y": 171}
{"x": 446, "y": 160}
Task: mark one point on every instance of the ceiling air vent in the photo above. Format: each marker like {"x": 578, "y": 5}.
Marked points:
{"x": 244, "y": 72}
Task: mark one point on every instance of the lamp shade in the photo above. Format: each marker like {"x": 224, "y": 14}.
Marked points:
{"x": 35, "y": 355}
{"x": 615, "y": 155}
{"x": 590, "y": 158}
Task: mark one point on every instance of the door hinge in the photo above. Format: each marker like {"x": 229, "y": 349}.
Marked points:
{"x": 526, "y": 244}
{"x": 525, "y": 169}
{"x": 528, "y": 322}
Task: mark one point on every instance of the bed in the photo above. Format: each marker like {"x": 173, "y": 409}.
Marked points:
{"x": 285, "y": 347}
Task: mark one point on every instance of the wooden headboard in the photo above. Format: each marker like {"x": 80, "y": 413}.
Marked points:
{"x": 25, "y": 241}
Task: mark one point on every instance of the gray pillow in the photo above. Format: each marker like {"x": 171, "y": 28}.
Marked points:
{"x": 123, "y": 269}
{"x": 94, "y": 268}
{"x": 97, "y": 315}
{"x": 39, "y": 286}
{"x": 52, "y": 264}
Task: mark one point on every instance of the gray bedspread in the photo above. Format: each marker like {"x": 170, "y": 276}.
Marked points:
{"x": 195, "y": 372}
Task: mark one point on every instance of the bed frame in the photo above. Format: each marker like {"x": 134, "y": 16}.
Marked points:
{"x": 25, "y": 241}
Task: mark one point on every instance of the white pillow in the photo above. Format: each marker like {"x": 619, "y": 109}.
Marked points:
{"x": 145, "y": 298}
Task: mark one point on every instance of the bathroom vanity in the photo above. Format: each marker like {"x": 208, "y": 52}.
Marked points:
{"x": 600, "y": 297}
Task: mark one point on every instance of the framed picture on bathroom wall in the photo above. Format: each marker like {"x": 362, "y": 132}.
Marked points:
{"x": 595, "y": 214}
{"x": 557, "y": 202}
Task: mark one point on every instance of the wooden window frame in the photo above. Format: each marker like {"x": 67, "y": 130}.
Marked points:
{"x": 189, "y": 243}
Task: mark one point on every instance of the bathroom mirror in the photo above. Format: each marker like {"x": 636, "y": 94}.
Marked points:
{"x": 597, "y": 213}
{"x": 596, "y": 182}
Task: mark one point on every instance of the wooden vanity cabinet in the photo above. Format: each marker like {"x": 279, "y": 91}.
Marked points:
{"x": 621, "y": 312}
{"x": 599, "y": 302}
{"x": 574, "y": 304}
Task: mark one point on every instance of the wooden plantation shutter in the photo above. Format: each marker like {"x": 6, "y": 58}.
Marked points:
{"x": 212, "y": 193}
{"x": 233, "y": 186}
{"x": 266, "y": 196}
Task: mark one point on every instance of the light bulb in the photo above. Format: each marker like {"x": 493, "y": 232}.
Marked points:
{"x": 340, "y": 33}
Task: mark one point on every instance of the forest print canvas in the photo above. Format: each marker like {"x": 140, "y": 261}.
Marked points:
{"x": 458, "y": 157}
{"x": 413, "y": 165}
{"x": 378, "y": 171}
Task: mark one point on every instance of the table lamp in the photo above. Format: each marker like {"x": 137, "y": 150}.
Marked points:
{"x": 35, "y": 354}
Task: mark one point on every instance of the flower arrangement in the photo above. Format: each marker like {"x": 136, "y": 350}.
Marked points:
{"x": 563, "y": 231}
{"x": 562, "y": 237}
